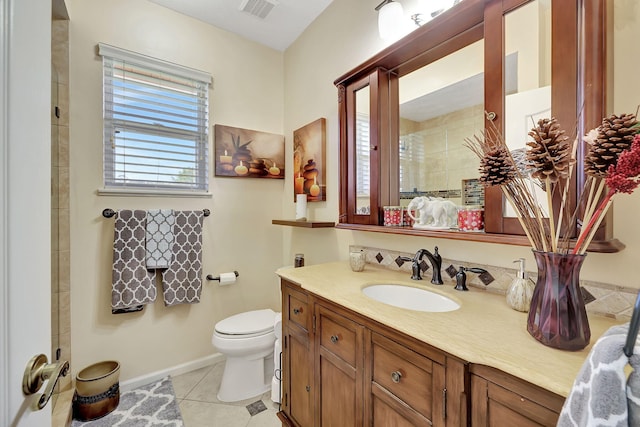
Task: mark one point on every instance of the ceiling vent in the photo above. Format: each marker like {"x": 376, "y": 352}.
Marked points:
{"x": 259, "y": 8}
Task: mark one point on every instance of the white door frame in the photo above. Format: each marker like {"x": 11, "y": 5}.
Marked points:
{"x": 4, "y": 308}
{"x": 25, "y": 202}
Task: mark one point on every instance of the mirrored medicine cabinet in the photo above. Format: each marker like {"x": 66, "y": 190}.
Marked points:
{"x": 483, "y": 64}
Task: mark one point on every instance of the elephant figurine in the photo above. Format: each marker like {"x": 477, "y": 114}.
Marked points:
{"x": 433, "y": 213}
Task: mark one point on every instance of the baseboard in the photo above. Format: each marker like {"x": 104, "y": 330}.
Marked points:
{"x": 173, "y": 371}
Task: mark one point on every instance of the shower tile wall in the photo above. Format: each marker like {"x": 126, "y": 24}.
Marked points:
{"x": 60, "y": 254}
{"x": 444, "y": 161}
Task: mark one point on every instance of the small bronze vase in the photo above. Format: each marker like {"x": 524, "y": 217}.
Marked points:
{"x": 557, "y": 316}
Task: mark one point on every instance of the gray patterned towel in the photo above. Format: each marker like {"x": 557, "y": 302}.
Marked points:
{"x": 159, "y": 238}
{"x": 132, "y": 283}
{"x": 182, "y": 282}
{"x": 601, "y": 394}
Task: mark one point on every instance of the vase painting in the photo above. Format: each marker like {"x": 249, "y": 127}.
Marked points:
{"x": 309, "y": 158}
{"x": 557, "y": 315}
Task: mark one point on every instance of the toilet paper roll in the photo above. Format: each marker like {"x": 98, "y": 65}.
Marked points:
{"x": 227, "y": 278}
{"x": 301, "y": 207}
{"x": 277, "y": 326}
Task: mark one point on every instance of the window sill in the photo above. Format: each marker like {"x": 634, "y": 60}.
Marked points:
{"x": 608, "y": 246}
{"x": 151, "y": 193}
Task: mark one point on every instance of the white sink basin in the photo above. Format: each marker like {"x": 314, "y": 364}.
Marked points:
{"x": 410, "y": 298}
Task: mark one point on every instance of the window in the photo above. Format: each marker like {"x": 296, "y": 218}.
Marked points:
{"x": 155, "y": 124}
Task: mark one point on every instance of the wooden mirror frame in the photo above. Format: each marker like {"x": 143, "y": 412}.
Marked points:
{"x": 578, "y": 79}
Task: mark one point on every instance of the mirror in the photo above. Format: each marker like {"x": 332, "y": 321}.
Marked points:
{"x": 362, "y": 156}
{"x": 528, "y": 85}
{"x": 441, "y": 104}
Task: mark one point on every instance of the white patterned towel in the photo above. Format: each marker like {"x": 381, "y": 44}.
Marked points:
{"x": 131, "y": 283}
{"x": 159, "y": 238}
{"x": 601, "y": 394}
{"x": 182, "y": 281}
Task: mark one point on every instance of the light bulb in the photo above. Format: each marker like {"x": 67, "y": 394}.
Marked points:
{"x": 390, "y": 21}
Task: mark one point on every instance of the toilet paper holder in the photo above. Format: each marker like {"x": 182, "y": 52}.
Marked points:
{"x": 210, "y": 277}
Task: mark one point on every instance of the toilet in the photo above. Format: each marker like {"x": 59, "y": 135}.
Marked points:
{"x": 247, "y": 340}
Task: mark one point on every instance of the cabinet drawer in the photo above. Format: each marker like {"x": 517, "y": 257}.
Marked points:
{"x": 298, "y": 308}
{"x": 338, "y": 335}
{"x": 405, "y": 373}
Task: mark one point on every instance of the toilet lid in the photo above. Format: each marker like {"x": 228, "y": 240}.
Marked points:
{"x": 250, "y": 322}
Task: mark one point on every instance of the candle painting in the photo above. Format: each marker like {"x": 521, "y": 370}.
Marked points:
{"x": 248, "y": 153}
{"x": 309, "y": 158}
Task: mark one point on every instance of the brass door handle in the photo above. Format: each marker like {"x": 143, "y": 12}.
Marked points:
{"x": 37, "y": 372}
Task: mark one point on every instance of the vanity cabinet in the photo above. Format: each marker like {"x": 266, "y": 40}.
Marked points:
{"x": 502, "y": 400}
{"x": 344, "y": 369}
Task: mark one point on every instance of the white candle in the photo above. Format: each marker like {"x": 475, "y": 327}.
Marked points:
{"x": 225, "y": 158}
{"x": 301, "y": 207}
{"x": 241, "y": 169}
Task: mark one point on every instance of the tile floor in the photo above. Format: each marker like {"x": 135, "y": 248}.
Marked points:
{"x": 196, "y": 392}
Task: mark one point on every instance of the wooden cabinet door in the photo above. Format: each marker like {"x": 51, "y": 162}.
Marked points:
{"x": 297, "y": 357}
{"x": 499, "y": 400}
{"x": 299, "y": 371}
{"x": 340, "y": 363}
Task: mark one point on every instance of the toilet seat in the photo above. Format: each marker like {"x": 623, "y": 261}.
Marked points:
{"x": 246, "y": 325}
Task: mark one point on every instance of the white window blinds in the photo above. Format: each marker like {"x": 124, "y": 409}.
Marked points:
{"x": 155, "y": 123}
{"x": 363, "y": 159}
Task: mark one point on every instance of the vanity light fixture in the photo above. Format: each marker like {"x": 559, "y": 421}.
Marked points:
{"x": 391, "y": 15}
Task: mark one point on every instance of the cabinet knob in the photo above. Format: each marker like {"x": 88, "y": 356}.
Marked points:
{"x": 396, "y": 376}
{"x": 297, "y": 310}
{"x": 334, "y": 339}
{"x": 308, "y": 388}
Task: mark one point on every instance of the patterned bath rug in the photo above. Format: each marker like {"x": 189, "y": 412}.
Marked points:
{"x": 154, "y": 405}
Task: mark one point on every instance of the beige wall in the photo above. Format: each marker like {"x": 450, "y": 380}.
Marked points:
{"x": 346, "y": 35}
{"x": 247, "y": 92}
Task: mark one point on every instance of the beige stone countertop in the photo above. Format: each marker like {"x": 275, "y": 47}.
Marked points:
{"x": 484, "y": 330}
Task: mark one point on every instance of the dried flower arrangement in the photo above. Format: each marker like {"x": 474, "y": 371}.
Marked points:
{"x": 613, "y": 160}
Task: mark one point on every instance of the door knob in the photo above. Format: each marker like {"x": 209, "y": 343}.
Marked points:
{"x": 37, "y": 372}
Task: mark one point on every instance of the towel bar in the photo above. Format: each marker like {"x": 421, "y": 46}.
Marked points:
{"x": 109, "y": 213}
{"x": 634, "y": 324}
{"x": 210, "y": 277}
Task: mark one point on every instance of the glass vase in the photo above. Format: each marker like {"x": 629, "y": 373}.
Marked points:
{"x": 557, "y": 315}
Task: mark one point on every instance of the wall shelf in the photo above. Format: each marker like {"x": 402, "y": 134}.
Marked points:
{"x": 304, "y": 224}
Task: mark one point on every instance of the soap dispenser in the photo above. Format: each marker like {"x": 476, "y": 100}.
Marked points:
{"x": 521, "y": 290}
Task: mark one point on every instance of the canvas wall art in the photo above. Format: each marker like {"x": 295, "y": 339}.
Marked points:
{"x": 248, "y": 153}
{"x": 309, "y": 158}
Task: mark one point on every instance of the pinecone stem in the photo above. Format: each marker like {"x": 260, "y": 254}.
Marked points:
{"x": 592, "y": 201}
{"x": 587, "y": 232}
{"x": 552, "y": 228}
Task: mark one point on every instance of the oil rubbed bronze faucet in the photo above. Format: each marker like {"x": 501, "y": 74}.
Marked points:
{"x": 436, "y": 263}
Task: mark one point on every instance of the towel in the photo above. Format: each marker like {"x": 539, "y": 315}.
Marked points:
{"x": 182, "y": 281}
{"x": 159, "y": 238}
{"x": 131, "y": 283}
{"x": 601, "y": 394}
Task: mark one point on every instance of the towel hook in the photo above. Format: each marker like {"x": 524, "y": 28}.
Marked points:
{"x": 634, "y": 324}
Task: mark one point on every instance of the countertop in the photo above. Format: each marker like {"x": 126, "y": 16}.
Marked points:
{"x": 484, "y": 330}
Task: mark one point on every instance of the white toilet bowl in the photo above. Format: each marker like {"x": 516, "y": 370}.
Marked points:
{"x": 247, "y": 340}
